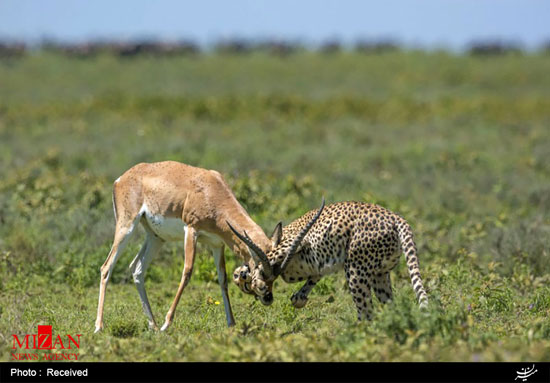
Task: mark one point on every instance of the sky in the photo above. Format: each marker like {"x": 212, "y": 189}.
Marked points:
{"x": 422, "y": 23}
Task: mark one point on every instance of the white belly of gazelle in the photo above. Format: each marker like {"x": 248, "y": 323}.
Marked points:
{"x": 167, "y": 228}
{"x": 174, "y": 229}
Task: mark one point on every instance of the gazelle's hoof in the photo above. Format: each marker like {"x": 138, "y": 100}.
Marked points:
{"x": 97, "y": 329}
{"x": 165, "y": 326}
{"x": 153, "y": 327}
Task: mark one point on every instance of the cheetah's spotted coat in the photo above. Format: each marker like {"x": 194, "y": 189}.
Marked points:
{"x": 364, "y": 239}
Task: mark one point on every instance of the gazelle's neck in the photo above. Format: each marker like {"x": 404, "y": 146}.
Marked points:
{"x": 243, "y": 223}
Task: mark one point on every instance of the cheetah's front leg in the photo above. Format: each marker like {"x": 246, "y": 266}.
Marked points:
{"x": 299, "y": 298}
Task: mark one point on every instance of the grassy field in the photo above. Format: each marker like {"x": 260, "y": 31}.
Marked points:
{"x": 458, "y": 145}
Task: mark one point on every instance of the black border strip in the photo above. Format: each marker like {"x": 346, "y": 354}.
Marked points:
{"x": 279, "y": 372}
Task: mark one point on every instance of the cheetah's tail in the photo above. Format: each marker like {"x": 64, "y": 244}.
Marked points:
{"x": 409, "y": 248}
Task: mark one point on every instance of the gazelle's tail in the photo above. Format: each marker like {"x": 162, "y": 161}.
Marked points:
{"x": 409, "y": 248}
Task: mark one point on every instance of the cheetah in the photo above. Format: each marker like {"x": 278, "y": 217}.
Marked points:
{"x": 362, "y": 238}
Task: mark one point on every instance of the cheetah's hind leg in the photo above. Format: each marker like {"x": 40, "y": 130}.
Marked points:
{"x": 382, "y": 287}
{"x": 359, "y": 286}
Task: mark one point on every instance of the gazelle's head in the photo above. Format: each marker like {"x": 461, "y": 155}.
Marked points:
{"x": 255, "y": 281}
{"x": 242, "y": 275}
{"x": 258, "y": 279}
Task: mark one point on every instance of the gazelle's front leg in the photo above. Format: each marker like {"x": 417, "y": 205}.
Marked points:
{"x": 299, "y": 298}
{"x": 219, "y": 259}
{"x": 190, "y": 250}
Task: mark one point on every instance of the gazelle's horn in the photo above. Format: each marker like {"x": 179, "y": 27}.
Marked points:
{"x": 257, "y": 253}
{"x": 299, "y": 238}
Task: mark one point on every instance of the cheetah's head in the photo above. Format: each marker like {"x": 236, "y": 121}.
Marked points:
{"x": 245, "y": 276}
{"x": 256, "y": 282}
{"x": 242, "y": 277}
{"x": 258, "y": 279}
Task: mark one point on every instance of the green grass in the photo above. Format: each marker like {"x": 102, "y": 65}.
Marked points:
{"x": 457, "y": 145}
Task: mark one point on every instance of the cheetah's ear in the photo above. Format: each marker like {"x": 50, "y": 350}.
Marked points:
{"x": 277, "y": 235}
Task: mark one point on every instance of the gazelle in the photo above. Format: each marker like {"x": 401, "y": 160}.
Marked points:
{"x": 174, "y": 201}
{"x": 365, "y": 240}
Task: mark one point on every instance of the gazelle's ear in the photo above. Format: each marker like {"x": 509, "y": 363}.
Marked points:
{"x": 277, "y": 235}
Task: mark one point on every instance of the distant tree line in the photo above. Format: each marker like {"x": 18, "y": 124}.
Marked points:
{"x": 238, "y": 47}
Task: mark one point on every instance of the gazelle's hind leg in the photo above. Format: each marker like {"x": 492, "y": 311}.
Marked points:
{"x": 219, "y": 260}
{"x": 382, "y": 287}
{"x": 123, "y": 233}
{"x": 139, "y": 267}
